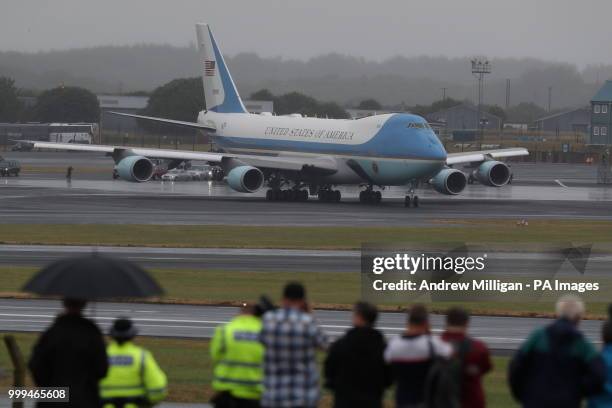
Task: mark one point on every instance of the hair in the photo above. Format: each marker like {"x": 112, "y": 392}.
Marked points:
{"x": 294, "y": 291}
{"x": 367, "y": 312}
{"x": 417, "y": 315}
{"x": 71, "y": 303}
{"x": 606, "y": 332}
{"x": 457, "y": 317}
{"x": 570, "y": 307}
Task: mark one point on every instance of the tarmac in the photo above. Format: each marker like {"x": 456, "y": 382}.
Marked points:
{"x": 199, "y": 322}
{"x": 279, "y": 260}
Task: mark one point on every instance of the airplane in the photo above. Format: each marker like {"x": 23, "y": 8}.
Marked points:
{"x": 297, "y": 157}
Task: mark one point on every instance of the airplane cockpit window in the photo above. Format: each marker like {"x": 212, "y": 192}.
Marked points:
{"x": 417, "y": 125}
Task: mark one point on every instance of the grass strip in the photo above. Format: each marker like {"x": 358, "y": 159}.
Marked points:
{"x": 326, "y": 290}
{"x": 231, "y": 236}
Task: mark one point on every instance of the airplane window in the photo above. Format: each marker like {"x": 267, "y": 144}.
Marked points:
{"x": 414, "y": 125}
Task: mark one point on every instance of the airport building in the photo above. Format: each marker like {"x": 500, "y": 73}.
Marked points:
{"x": 576, "y": 121}
{"x": 601, "y": 116}
{"x": 463, "y": 117}
{"x": 123, "y": 104}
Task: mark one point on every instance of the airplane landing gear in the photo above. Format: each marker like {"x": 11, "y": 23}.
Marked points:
{"x": 411, "y": 198}
{"x": 329, "y": 195}
{"x": 286, "y": 195}
{"x": 370, "y": 196}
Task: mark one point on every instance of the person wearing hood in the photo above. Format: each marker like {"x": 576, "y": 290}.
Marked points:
{"x": 355, "y": 369}
{"x": 557, "y": 366}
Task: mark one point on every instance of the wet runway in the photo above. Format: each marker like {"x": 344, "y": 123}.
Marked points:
{"x": 199, "y": 321}
{"x": 42, "y": 195}
{"x": 39, "y": 202}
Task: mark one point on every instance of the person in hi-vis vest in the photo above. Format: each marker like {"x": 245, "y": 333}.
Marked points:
{"x": 237, "y": 356}
{"x": 134, "y": 379}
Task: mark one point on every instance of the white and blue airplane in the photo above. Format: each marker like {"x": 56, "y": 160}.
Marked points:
{"x": 296, "y": 156}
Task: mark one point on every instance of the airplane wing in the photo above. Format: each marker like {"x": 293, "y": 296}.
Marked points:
{"x": 290, "y": 163}
{"x": 482, "y": 155}
{"x": 192, "y": 125}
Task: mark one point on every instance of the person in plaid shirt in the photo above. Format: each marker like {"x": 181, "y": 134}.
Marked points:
{"x": 291, "y": 337}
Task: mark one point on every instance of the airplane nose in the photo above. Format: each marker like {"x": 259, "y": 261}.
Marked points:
{"x": 435, "y": 150}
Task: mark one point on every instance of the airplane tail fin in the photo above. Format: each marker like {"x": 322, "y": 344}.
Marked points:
{"x": 219, "y": 89}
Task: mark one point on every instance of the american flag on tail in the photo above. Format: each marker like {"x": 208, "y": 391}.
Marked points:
{"x": 209, "y": 68}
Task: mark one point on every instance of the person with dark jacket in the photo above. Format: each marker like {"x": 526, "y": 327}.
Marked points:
{"x": 557, "y": 367}
{"x": 473, "y": 355}
{"x": 412, "y": 355}
{"x": 71, "y": 353}
{"x": 355, "y": 369}
{"x": 604, "y": 399}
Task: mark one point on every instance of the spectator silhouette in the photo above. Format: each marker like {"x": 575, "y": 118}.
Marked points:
{"x": 291, "y": 337}
{"x": 355, "y": 369}
{"x": 557, "y": 366}
{"x": 604, "y": 399}
{"x": 411, "y": 355}
{"x": 71, "y": 353}
{"x": 472, "y": 356}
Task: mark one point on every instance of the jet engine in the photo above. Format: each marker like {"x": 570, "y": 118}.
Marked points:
{"x": 245, "y": 179}
{"x": 135, "y": 168}
{"x": 493, "y": 173}
{"x": 449, "y": 181}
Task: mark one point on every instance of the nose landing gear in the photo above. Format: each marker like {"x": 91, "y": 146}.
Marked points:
{"x": 411, "y": 198}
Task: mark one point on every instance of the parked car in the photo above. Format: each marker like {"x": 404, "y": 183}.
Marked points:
{"x": 177, "y": 175}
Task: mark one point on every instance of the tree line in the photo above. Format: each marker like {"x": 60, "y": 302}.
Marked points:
{"x": 183, "y": 98}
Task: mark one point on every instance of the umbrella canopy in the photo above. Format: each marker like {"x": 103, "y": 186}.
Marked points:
{"x": 93, "y": 277}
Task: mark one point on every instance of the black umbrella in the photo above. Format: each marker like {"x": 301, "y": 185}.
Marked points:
{"x": 93, "y": 277}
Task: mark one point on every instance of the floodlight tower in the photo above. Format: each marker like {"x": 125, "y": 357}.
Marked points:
{"x": 480, "y": 67}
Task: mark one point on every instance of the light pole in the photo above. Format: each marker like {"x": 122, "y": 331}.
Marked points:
{"x": 480, "y": 67}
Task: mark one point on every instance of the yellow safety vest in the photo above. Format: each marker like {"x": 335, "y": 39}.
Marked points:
{"x": 237, "y": 357}
{"x": 132, "y": 373}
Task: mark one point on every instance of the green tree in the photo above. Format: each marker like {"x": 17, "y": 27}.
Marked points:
{"x": 262, "y": 95}
{"x": 525, "y": 112}
{"x": 331, "y": 110}
{"x": 295, "y": 102}
{"x": 67, "y": 104}
{"x": 497, "y": 111}
{"x": 179, "y": 99}
{"x": 436, "y": 106}
{"x": 369, "y": 104}
{"x": 10, "y": 106}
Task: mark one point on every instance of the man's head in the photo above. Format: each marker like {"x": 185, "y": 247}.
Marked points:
{"x": 418, "y": 319}
{"x": 74, "y": 306}
{"x": 606, "y": 332}
{"x": 294, "y": 295}
{"x": 364, "y": 314}
{"x": 570, "y": 307}
{"x": 123, "y": 330}
{"x": 457, "y": 320}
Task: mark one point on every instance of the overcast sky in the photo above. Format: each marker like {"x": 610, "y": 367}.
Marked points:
{"x": 577, "y": 31}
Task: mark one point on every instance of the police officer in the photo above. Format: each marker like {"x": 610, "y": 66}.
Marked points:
{"x": 134, "y": 379}
{"x": 237, "y": 358}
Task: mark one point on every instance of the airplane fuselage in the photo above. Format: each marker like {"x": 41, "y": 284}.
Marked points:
{"x": 389, "y": 149}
